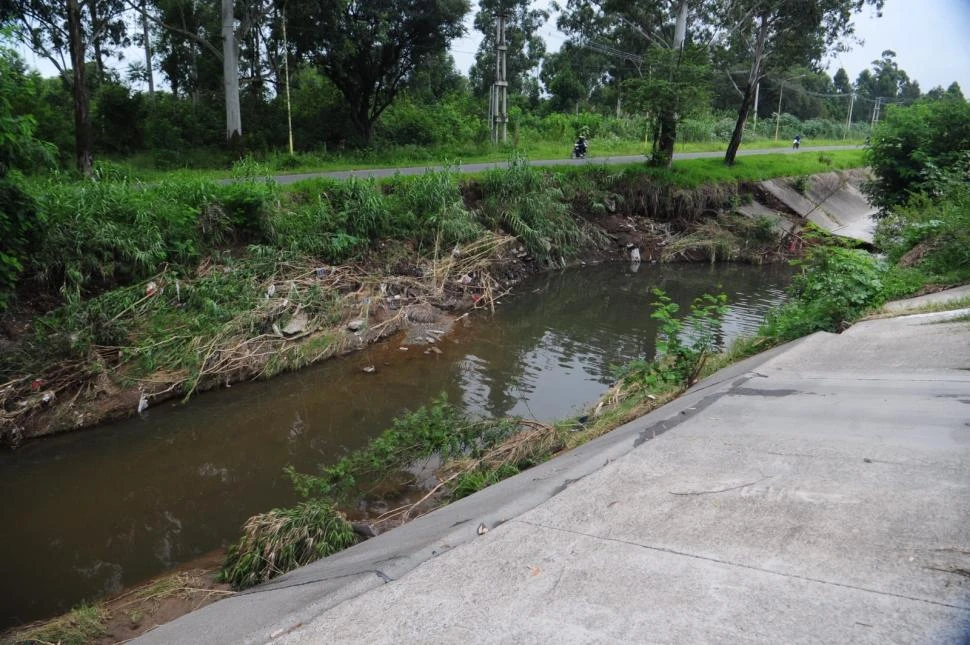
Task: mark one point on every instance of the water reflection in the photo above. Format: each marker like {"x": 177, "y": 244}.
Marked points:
{"x": 87, "y": 513}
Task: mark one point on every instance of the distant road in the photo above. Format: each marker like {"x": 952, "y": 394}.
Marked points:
{"x": 479, "y": 167}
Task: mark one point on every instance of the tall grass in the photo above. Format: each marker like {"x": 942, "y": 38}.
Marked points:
{"x": 530, "y": 205}
{"x": 283, "y": 539}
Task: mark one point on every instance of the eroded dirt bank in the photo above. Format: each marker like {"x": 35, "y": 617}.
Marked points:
{"x": 307, "y": 312}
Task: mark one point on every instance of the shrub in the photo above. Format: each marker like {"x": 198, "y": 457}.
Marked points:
{"x": 282, "y": 540}
{"x": 528, "y": 204}
{"x": 835, "y": 286}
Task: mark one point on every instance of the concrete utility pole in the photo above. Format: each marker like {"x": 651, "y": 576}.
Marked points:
{"x": 781, "y": 92}
{"x": 286, "y": 78}
{"x": 848, "y": 120}
{"x": 875, "y": 111}
{"x": 230, "y": 73}
{"x": 500, "y": 88}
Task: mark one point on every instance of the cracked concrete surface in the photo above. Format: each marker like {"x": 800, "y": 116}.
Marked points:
{"x": 817, "y": 493}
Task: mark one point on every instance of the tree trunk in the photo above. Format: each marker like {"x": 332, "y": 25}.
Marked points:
{"x": 82, "y": 120}
{"x": 754, "y": 76}
{"x": 230, "y": 74}
{"x": 663, "y": 143}
{"x": 146, "y": 35}
{"x": 96, "y": 39}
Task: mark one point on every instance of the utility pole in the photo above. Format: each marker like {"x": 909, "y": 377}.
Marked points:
{"x": 875, "y": 111}
{"x": 500, "y": 88}
{"x": 848, "y": 120}
{"x": 781, "y": 91}
{"x": 286, "y": 77}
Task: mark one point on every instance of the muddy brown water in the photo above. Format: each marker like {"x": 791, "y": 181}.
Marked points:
{"x": 86, "y": 514}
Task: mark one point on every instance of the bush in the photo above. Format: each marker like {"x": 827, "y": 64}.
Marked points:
{"x": 835, "y": 286}
{"x": 528, "y": 204}
{"x": 431, "y": 209}
{"x": 282, "y": 540}
{"x": 917, "y": 146}
{"x": 931, "y": 234}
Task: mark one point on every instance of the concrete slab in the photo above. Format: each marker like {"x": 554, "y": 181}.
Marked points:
{"x": 832, "y": 201}
{"x": 941, "y": 297}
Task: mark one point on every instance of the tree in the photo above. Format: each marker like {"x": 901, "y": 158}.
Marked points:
{"x": 526, "y": 48}
{"x": 778, "y": 33}
{"x": 370, "y": 50}
{"x": 841, "y": 81}
{"x": 913, "y": 145}
{"x": 59, "y": 32}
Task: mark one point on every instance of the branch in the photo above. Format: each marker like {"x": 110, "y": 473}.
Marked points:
{"x": 188, "y": 34}
{"x": 652, "y": 38}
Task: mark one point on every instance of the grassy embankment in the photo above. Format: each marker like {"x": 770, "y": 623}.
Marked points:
{"x": 209, "y": 166}
{"x": 165, "y": 289}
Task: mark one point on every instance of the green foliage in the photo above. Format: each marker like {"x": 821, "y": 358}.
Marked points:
{"x": 683, "y": 345}
{"x": 835, "y": 286}
{"x": 438, "y": 429}
{"x": 932, "y": 234}
{"x": 475, "y": 480}
{"x": 915, "y": 147}
{"x": 800, "y": 184}
{"x": 528, "y": 204}
{"x": 431, "y": 208}
{"x": 82, "y": 625}
{"x": 283, "y": 539}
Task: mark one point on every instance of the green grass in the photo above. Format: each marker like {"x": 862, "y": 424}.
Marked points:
{"x": 79, "y": 626}
{"x": 139, "y": 167}
{"x": 691, "y": 173}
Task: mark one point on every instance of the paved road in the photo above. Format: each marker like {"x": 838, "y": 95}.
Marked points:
{"x": 479, "y": 167}
{"x": 818, "y": 493}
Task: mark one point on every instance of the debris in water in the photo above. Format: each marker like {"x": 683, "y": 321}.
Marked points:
{"x": 403, "y": 348}
{"x": 142, "y": 403}
{"x": 370, "y": 369}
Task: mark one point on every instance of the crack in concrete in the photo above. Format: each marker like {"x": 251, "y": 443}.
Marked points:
{"x": 741, "y": 565}
{"x": 352, "y": 574}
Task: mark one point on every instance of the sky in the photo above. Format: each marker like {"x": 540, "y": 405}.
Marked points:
{"x": 931, "y": 39}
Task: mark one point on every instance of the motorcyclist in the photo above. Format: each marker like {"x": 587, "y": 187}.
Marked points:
{"x": 580, "y": 148}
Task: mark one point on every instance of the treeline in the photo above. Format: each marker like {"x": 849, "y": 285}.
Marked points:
{"x": 378, "y": 74}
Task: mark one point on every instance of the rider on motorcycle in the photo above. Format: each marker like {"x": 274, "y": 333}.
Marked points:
{"x": 579, "y": 150}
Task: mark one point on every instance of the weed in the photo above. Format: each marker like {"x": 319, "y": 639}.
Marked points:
{"x": 800, "y": 183}
{"x": 283, "y": 539}
{"x": 79, "y": 626}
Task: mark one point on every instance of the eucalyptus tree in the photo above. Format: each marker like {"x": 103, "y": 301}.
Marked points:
{"x": 370, "y": 50}
{"x": 62, "y": 32}
{"x": 776, "y": 34}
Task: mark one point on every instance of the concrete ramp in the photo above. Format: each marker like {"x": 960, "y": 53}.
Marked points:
{"x": 832, "y": 201}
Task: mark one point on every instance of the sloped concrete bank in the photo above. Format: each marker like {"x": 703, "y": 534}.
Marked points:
{"x": 815, "y": 493}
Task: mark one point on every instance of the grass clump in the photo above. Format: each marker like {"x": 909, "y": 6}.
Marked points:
{"x": 283, "y": 539}
{"x": 530, "y": 205}
{"x": 79, "y": 626}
